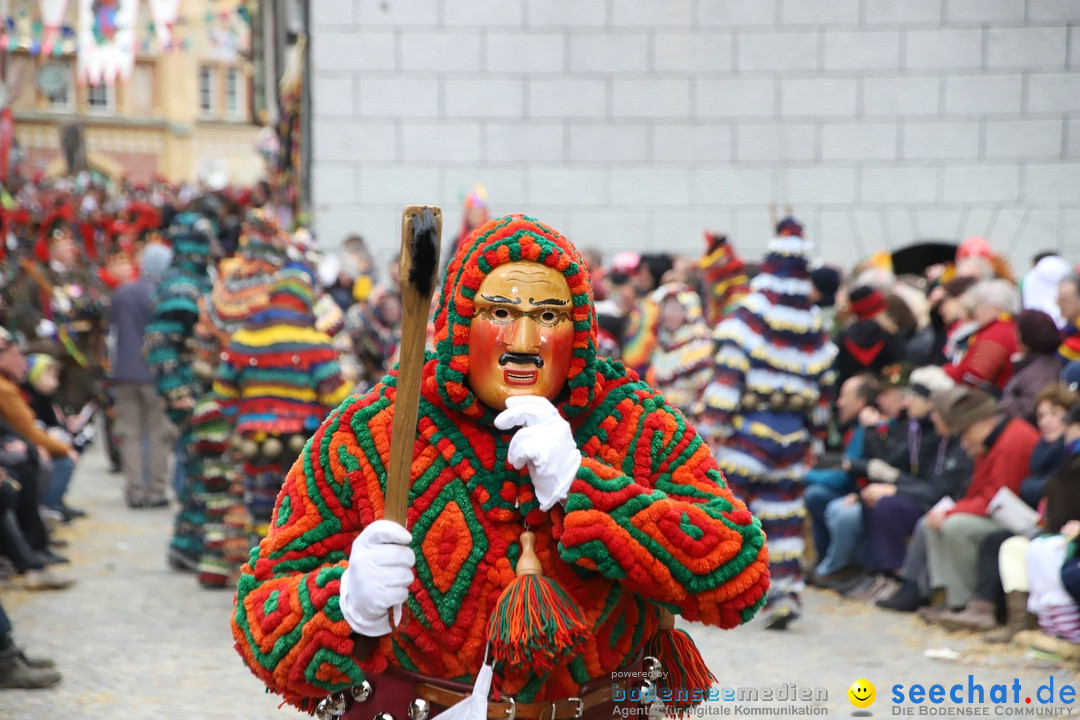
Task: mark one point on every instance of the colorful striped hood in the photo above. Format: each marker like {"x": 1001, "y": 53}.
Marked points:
{"x": 512, "y": 238}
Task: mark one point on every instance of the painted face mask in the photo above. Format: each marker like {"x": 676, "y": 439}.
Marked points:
{"x": 522, "y": 335}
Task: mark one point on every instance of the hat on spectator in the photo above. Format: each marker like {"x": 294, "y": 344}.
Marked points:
{"x": 929, "y": 380}
{"x": 37, "y": 365}
{"x": 827, "y": 281}
{"x": 155, "y": 260}
{"x": 1038, "y": 331}
{"x": 866, "y": 302}
{"x": 1070, "y": 375}
{"x": 626, "y": 262}
{"x": 963, "y": 406}
{"x": 974, "y": 246}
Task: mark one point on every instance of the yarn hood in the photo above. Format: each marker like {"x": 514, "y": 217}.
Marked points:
{"x": 512, "y": 238}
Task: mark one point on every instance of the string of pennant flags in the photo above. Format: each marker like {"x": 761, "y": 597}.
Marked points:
{"x": 108, "y": 35}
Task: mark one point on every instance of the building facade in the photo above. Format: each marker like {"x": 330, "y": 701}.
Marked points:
{"x": 636, "y": 124}
{"x": 183, "y": 114}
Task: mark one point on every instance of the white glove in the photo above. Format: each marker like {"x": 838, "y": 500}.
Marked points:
{"x": 881, "y": 471}
{"x": 545, "y": 443}
{"x": 378, "y": 577}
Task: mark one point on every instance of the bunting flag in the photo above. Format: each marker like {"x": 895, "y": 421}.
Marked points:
{"x": 52, "y": 17}
{"x": 106, "y": 41}
{"x": 164, "y": 14}
{"x": 38, "y": 27}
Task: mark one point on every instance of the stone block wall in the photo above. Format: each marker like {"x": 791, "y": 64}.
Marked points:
{"x": 636, "y": 124}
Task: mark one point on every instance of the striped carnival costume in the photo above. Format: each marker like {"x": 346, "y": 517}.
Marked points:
{"x": 768, "y": 406}
{"x": 647, "y": 523}
{"x": 278, "y": 378}
{"x": 168, "y": 347}
{"x": 215, "y": 512}
{"x": 681, "y": 363}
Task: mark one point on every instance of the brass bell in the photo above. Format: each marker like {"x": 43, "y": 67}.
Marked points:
{"x": 296, "y": 444}
{"x": 419, "y": 709}
{"x": 249, "y": 449}
{"x": 776, "y": 400}
{"x": 749, "y": 401}
{"x": 383, "y": 716}
{"x": 272, "y": 447}
{"x": 361, "y": 693}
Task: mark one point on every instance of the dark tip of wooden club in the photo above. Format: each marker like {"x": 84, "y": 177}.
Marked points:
{"x": 425, "y": 252}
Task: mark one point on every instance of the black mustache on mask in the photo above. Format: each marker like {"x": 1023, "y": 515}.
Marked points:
{"x": 521, "y": 359}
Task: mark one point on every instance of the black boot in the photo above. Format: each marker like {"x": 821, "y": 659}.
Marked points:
{"x": 906, "y": 599}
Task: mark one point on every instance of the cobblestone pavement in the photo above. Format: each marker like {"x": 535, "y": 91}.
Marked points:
{"x": 136, "y": 640}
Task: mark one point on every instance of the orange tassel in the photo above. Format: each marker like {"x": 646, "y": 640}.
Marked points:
{"x": 535, "y": 624}
{"x": 683, "y": 667}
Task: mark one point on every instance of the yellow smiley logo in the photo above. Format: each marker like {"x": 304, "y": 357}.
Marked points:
{"x": 862, "y": 693}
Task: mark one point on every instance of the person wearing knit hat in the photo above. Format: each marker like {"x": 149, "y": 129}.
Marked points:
{"x": 871, "y": 341}
{"x": 866, "y": 302}
{"x": 766, "y": 408}
{"x": 278, "y": 379}
{"x": 521, "y": 425}
{"x": 1037, "y": 366}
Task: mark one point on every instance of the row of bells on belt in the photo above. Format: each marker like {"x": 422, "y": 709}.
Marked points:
{"x": 271, "y": 447}
{"x": 776, "y": 400}
{"x": 337, "y": 704}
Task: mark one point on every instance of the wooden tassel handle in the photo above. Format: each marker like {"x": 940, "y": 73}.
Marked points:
{"x": 667, "y": 620}
{"x": 528, "y": 563}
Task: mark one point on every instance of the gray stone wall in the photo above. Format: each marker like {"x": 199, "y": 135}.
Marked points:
{"x": 636, "y": 124}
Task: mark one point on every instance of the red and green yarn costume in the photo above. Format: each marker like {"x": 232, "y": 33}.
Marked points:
{"x": 648, "y": 523}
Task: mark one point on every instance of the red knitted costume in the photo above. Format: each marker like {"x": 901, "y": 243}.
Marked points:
{"x": 648, "y": 521}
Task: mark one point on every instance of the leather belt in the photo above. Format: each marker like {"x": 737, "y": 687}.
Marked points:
{"x": 564, "y": 709}
{"x": 392, "y": 691}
